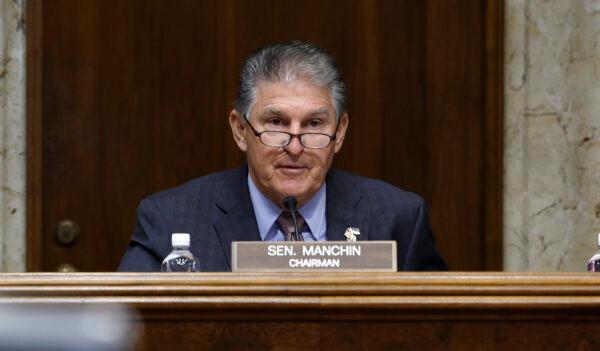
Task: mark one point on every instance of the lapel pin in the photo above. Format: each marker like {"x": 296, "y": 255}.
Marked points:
{"x": 351, "y": 233}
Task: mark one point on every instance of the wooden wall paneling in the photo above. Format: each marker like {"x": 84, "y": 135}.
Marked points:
{"x": 455, "y": 112}
{"x": 402, "y": 97}
{"x": 493, "y": 175}
{"x": 141, "y": 85}
{"x": 362, "y": 147}
{"x": 135, "y": 95}
{"x": 34, "y": 105}
{"x": 230, "y": 64}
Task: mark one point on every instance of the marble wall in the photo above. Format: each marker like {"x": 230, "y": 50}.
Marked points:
{"x": 12, "y": 136}
{"x": 552, "y": 136}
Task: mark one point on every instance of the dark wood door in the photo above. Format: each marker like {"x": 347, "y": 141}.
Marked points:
{"x": 127, "y": 98}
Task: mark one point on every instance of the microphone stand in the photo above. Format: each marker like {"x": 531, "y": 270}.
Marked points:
{"x": 290, "y": 203}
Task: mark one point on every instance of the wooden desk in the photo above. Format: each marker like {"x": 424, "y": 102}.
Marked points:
{"x": 347, "y": 311}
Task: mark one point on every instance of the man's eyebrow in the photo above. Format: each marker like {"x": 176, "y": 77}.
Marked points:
{"x": 275, "y": 111}
{"x": 319, "y": 111}
{"x": 272, "y": 110}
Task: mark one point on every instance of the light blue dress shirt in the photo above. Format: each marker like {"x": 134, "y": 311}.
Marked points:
{"x": 267, "y": 213}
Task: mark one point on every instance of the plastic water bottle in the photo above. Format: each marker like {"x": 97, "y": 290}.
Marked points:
{"x": 180, "y": 259}
{"x": 594, "y": 262}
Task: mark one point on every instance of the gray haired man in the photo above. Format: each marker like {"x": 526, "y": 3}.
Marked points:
{"x": 290, "y": 120}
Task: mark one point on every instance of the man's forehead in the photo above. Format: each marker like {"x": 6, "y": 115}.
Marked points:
{"x": 292, "y": 97}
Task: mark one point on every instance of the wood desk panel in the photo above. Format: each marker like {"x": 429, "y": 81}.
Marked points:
{"x": 348, "y": 311}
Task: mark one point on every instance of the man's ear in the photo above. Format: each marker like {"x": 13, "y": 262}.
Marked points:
{"x": 237, "y": 128}
{"x": 341, "y": 132}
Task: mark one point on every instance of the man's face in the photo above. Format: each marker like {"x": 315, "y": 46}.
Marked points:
{"x": 293, "y": 169}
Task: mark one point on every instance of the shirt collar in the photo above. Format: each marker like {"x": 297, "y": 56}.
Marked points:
{"x": 314, "y": 213}
{"x": 267, "y": 211}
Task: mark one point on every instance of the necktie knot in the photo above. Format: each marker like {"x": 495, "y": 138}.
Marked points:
{"x": 286, "y": 224}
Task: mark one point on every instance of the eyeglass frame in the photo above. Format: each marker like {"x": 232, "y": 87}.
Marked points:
{"x": 292, "y": 135}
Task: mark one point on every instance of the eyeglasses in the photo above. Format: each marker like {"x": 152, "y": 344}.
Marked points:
{"x": 281, "y": 139}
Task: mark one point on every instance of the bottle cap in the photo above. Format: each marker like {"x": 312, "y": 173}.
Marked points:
{"x": 180, "y": 239}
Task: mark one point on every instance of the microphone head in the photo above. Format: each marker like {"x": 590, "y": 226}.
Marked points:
{"x": 290, "y": 202}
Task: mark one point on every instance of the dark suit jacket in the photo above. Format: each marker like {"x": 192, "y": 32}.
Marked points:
{"x": 217, "y": 209}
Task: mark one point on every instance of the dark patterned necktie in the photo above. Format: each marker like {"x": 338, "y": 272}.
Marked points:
{"x": 286, "y": 224}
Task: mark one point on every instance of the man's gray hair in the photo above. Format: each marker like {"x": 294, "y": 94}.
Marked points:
{"x": 287, "y": 63}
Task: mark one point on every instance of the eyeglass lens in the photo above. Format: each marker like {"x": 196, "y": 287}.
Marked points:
{"x": 307, "y": 140}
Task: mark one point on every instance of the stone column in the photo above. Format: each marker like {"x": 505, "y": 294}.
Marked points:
{"x": 552, "y": 136}
{"x": 12, "y": 135}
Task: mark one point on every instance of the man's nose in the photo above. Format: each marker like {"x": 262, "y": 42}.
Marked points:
{"x": 295, "y": 147}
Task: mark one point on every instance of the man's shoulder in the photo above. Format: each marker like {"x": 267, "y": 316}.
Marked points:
{"x": 378, "y": 191}
{"x": 198, "y": 188}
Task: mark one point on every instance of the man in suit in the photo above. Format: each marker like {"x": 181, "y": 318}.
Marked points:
{"x": 290, "y": 120}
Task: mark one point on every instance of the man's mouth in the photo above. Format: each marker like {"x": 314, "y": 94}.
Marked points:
{"x": 291, "y": 169}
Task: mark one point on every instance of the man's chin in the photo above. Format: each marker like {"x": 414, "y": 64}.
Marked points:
{"x": 302, "y": 192}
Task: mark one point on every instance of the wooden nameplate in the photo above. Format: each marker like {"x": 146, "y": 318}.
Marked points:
{"x": 310, "y": 256}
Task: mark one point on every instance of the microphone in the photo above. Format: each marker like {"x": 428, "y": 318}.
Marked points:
{"x": 290, "y": 203}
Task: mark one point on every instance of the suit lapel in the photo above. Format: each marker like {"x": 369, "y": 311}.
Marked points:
{"x": 235, "y": 219}
{"x": 345, "y": 207}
